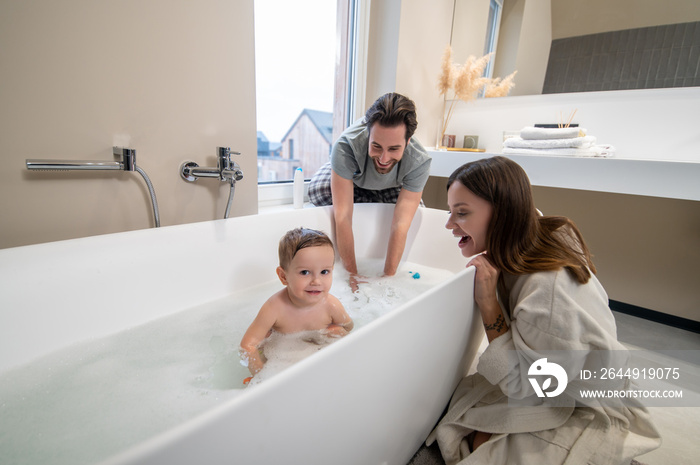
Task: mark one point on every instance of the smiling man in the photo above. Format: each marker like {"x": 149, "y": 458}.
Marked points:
{"x": 375, "y": 160}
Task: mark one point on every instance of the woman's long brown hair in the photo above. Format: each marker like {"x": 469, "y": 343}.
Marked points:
{"x": 519, "y": 241}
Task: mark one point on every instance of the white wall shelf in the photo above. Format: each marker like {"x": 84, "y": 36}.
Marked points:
{"x": 655, "y": 178}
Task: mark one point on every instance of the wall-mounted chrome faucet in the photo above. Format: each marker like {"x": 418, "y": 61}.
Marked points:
{"x": 226, "y": 170}
{"x": 126, "y": 162}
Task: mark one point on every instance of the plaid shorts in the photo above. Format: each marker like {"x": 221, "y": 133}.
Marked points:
{"x": 320, "y": 190}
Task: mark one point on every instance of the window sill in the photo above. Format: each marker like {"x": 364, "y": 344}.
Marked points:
{"x": 281, "y": 193}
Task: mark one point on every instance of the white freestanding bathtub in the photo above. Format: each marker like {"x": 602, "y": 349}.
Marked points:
{"x": 370, "y": 398}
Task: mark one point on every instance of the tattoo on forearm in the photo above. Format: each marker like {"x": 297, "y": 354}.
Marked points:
{"x": 498, "y": 326}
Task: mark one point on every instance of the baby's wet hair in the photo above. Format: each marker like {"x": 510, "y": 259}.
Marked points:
{"x": 300, "y": 238}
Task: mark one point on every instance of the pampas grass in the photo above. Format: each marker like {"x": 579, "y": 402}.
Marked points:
{"x": 467, "y": 81}
{"x": 448, "y": 71}
{"x": 500, "y": 87}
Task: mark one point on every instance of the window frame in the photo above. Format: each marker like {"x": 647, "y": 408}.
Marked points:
{"x": 492, "y": 31}
{"x": 352, "y": 25}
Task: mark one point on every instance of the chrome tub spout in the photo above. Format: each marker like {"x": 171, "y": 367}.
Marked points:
{"x": 61, "y": 165}
{"x": 126, "y": 162}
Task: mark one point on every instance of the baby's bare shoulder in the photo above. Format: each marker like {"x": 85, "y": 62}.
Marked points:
{"x": 334, "y": 302}
{"x": 275, "y": 302}
{"x": 284, "y": 310}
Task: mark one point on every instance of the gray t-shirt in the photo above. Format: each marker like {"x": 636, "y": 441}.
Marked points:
{"x": 350, "y": 160}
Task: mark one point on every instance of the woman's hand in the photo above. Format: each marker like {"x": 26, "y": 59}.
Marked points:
{"x": 485, "y": 281}
{"x": 485, "y": 296}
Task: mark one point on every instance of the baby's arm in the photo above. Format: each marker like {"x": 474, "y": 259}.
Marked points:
{"x": 256, "y": 333}
{"x": 341, "y": 323}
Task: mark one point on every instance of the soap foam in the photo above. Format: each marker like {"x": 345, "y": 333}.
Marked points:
{"x": 284, "y": 350}
{"x": 381, "y": 294}
{"x": 376, "y": 296}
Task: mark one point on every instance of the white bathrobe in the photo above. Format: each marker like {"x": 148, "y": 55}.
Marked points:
{"x": 551, "y": 316}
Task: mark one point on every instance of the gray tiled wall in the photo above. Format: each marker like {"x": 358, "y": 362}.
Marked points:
{"x": 644, "y": 58}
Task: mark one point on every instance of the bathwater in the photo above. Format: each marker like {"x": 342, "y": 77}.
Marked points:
{"x": 94, "y": 399}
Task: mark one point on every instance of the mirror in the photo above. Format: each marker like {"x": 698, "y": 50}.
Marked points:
{"x": 529, "y": 29}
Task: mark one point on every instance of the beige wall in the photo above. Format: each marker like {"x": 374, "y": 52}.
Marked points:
{"x": 645, "y": 248}
{"x": 382, "y": 52}
{"x": 419, "y": 54}
{"x": 571, "y": 18}
{"x": 172, "y": 80}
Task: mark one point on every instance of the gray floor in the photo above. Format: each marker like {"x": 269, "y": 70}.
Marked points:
{"x": 679, "y": 426}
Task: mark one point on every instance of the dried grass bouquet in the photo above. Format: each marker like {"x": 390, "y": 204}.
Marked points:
{"x": 467, "y": 81}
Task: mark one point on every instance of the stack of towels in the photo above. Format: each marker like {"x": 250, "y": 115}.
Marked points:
{"x": 571, "y": 141}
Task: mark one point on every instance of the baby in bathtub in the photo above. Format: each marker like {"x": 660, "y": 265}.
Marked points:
{"x": 306, "y": 269}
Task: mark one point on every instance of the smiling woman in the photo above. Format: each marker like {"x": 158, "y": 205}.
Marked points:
{"x": 469, "y": 218}
{"x": 538, "y": 297}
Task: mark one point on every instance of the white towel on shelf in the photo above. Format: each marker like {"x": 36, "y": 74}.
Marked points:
{"x": 576, "y": 142}
{"x": 532, "y": 133}
{"x": 593, "y": 151}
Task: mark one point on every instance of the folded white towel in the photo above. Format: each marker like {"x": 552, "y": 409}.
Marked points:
{"x": 593, "y": 151}
{"x": 532, "y": 133}
{"x": 576, "y": 142}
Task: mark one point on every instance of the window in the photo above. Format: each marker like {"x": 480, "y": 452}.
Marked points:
{"x": 295, "y": 61}
{"x": 494, "y": 21}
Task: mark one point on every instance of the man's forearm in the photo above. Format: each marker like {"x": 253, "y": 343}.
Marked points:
{"x": 397, "y": 244}
{"x": 342, "y": 190}
{"x": 346, "y": 245}
{"x": 405, "y": 210}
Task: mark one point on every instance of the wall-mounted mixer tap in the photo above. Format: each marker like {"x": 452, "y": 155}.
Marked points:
{"x": 226, "y": 170}
{"x": 230, "y": 170}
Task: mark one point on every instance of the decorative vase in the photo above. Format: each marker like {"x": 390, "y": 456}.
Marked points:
{"x": 448, "y": 140}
